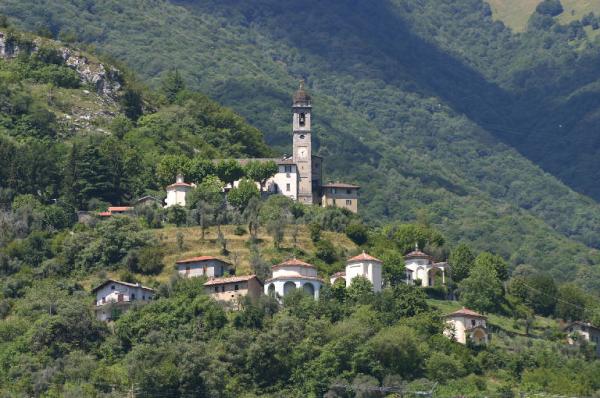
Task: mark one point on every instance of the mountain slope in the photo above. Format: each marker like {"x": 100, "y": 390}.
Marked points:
{"x": 400, "y": 106}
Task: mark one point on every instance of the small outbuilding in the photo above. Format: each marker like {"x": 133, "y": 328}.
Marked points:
{"x": 420, "y": 268}
{"x": 208, "y": 266}
{"x": 177, "y": 192}
{"x": 466, "y": 325}
{"x": 367, "y": 267}
{"x": 578, "y": 331}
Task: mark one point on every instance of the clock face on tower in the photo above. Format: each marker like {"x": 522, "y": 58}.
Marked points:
{"x": 302, "y": 152}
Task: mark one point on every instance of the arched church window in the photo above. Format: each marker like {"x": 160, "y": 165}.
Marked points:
{"x": 302, "y": 120}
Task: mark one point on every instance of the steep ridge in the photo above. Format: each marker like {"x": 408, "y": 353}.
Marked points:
{"x": 409, "y": 119}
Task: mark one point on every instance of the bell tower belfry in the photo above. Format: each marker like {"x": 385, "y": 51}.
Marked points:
{"x": 302, "y": 143}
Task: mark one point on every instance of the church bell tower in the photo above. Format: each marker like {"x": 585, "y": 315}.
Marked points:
{"x": 302, "y": 143}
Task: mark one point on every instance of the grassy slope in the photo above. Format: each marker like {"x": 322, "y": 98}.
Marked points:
{"x": 502, "y": 323}
{"x": 516, "y": 13}
{"x": 412, "y": 153}
{"x": 239, "y": 250}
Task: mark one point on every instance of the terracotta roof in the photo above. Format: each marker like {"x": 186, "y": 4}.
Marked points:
{"x": 417, "y": 254}
{"x": 301, "y": 95}
{"x": 364, "y": 257}
{"x": 179, "y": 184}
{"x": 104, "y": 214}
{"x": 199, "y": 259}
{"x": 466, "y": 312}
{"x": 120, "y": 208}
{"x": 312, "y": 278}
{"x": 293, "y": 263}
{"x": 231, "y": 279}
{"x": 340, "y": 185}
{"x": 338, "y": 274}
{"x": 106, "y": 282}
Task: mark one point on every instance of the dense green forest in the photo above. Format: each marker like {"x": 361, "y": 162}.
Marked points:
{"x": 68, "y": 143}
{"x": 437, "y": 110}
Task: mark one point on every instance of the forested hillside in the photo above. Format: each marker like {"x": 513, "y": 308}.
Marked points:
{"x": 80, "y": 132}
{"x": 429, "y": 105}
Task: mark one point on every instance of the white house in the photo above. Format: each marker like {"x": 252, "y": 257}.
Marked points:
{"x": 176, "y": 193}
{"x": 362, "y": 265}
{"x": 114, "y": 297}
{"x": 466, "y": 325}
{"x": 208, "y": 266}
{"x": 578, "y": 331}
{"x": 284, "y": 182}
{"x": 291, "y": 275}
{"x": 420, "y": 266}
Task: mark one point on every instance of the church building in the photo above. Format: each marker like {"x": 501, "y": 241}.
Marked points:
{"x": 299, "y": 176}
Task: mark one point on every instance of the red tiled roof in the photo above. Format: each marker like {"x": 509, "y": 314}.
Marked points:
{"x": 466, "y": 312}
{"x": 286, "y": 277}
{"x": 179, "y": 184}
{"x": 119, "y": 208}
{"x": 338, "y": 274}
{"x": 104, "y": 214}
{"x": 231, "y": 279}
{"x": 293, "y": 263}
{"x": 199, "y": 259}
{"x": 364, "y": 257}
{"x": 340, "y": 185}
{"x": 417, "y": 254}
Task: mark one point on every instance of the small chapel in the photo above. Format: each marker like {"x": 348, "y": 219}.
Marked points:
{"x": 300, "y": 175}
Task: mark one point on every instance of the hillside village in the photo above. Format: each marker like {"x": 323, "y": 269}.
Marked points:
{"x": 152, "y": 258}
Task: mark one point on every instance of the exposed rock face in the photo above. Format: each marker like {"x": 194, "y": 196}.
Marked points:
{"x": 106, "y": 81}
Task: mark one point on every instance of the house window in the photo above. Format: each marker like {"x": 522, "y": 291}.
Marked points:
{"x": 473, "y": 322}
{"x": 132, "y": 296}
{"x": 348, "y": 191}
{"x": 216, "y": 289}
{"x": 187, "y": 270}
{"x": 223, "y": 288}
{"x": 204, "y": 270}
{"x": 144, "y": 298}
{"x": 302, "y": 120}
{"x": 288, "y": 169}
{"x": 333, "y": 190}
{"x": 112, "y": 287}
{"x": 288, "y": 187}
{"x": 348, "y": 202}
{"x": 236, "y": 287}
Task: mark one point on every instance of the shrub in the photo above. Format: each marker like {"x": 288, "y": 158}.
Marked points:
{"x": 357, "y": 233}
{"x": 550, "y": 7}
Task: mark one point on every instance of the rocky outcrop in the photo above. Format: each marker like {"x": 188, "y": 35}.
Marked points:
{"x": 106, "y": 81}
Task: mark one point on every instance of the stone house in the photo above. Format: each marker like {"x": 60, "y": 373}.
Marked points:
{"x": 231, "y": 289}
{"x": 208, "y": 266}
{"x": 338, "y": 194}
{"x": 291, "y": 275}
{"x": 466, "y": 325}
{"x": 114, "y": 297}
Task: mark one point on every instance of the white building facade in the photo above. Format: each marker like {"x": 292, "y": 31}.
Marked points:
{"x": 364, "y": 266}
{"x": 466, "y": 325}
{"x": 291, "y": 275}
{"x": 420, "y": 266}
{"x": 114, "y": 297}
{"x": 578, "y": 331}
{"x": 177, "y": 193}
